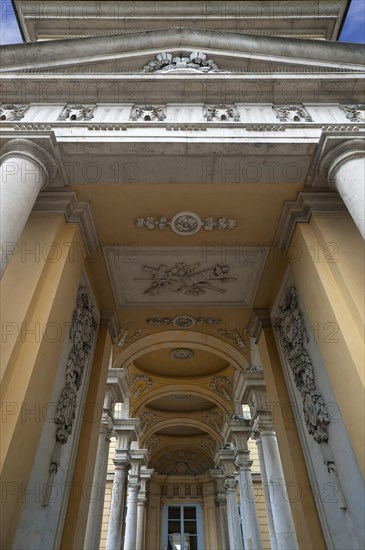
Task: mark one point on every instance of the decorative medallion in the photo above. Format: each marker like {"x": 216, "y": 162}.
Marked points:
{"x": 167, "y": 62}
{"x": 148, "y": 113}
{"x": 186, "y": 223}
{"x": 292, "y": 113}
{"x": 183, "y": 278}
{"x": 183, "y": 321}
{"x": 12, "y": 112}
{"x": 77, "y": 113}
{"x": 355, "y": 113}
{"x": 221, "y": 113}
{"x": 290, "y": 325}
{"x": 82, "y": 334}
{"x": 182, "y": 354}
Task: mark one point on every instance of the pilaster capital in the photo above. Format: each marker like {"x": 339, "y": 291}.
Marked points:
{"x": 260, "y": 319}
{"x": 230, "y": 484}
{"x": 109, "y": 320}
{"x": 75, "y": 211}
{"x": 27, "y": 149}
{"x": 301, "y": 210}
{"x": 263, "y": 424}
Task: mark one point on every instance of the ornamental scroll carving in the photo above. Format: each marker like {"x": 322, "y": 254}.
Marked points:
{"x": 292, "y": 113}
{"x": 139, "y": 383}
{"x": 290, "y": 325}
{"x": 222, "y": 386}
{"x": 82, "y": 334}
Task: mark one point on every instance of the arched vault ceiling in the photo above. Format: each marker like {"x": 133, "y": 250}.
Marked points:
{"x": 181, "y": 401}
{"x": 161, "y": 363}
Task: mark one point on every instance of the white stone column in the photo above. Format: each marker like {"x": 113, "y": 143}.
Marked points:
{"x": 225, "y": 458}
{"x": 130, "y": 537}
{"x": 346, "y": 173}
{"x": 118, "y": 502}
{"x": 252, "y": 536}
{"x": 95, "y": 516}
{"x": 145, "y": 475}
{"x": 270, "y": 520}
{"x": 218, "y": 476}
{"x": 284, "y": 526}
{"x": 235, "y": 538}
{"x": 24, "y": 171}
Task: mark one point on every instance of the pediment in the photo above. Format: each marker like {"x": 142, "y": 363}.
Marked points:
{"x": 198, "y": 52}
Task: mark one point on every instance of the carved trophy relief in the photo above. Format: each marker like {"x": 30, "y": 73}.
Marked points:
{"x": 186, "y": 279}
{"x": 355, "y": 113}
{"x": 12, "y": 112}
{"x": 77, "y": 113}
{"x": 290, "y": 325}
{"x": 82, "y": 333}
{"x": 221, "y": 113}
{"x": 148, "y": 113}
{"x": 292, "y": 113}
{"x": 182, "y": 321}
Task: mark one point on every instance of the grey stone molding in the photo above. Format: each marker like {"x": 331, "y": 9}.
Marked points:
{"x": 300, "y": 211}
{"x": 75, "y": 211}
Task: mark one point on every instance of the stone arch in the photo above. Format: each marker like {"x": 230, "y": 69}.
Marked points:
{"x": 172, "y": 338}
{"x": 176, "y": 421}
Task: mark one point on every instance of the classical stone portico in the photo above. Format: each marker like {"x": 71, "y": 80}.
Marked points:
{"x": 182, "y": 277}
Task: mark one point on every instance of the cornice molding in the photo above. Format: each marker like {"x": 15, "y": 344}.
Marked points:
{"x": 300, "y": 211}
{"x": 75, "y": 211}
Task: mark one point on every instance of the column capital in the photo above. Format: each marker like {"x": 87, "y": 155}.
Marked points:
{"x": 331, "y": 160}
{"x": 28, "y": 149}
{"x": 230, "y": 484}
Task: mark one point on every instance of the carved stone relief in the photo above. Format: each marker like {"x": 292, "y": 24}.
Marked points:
{"x": 140, "y": 383}
{"x": 355, "y": 113}
{"x": 209, "y": 444}
{"x": 233, "y": 335}
{"x": 221, "y": 113}
{"x": 82, "y": 334}
{"x": 290, "y": 325}
{"x": 222, "y": 386}
{"x": 12, "y": 112}
{"x": 182, "y": 321}
{"x": 215, "y": 420}
{"x": 152, "y": 443}
{"x": 186, "y": 223}
{"x": 292, "y": 113}
{"x": 166, "y": 62}
{"x": 292, "y": 333}
{"x": 148, "y": 113}
{"x": 148, "y": 419}
{"x": 186, "y": 279}
{"x": 77, "y": 112}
